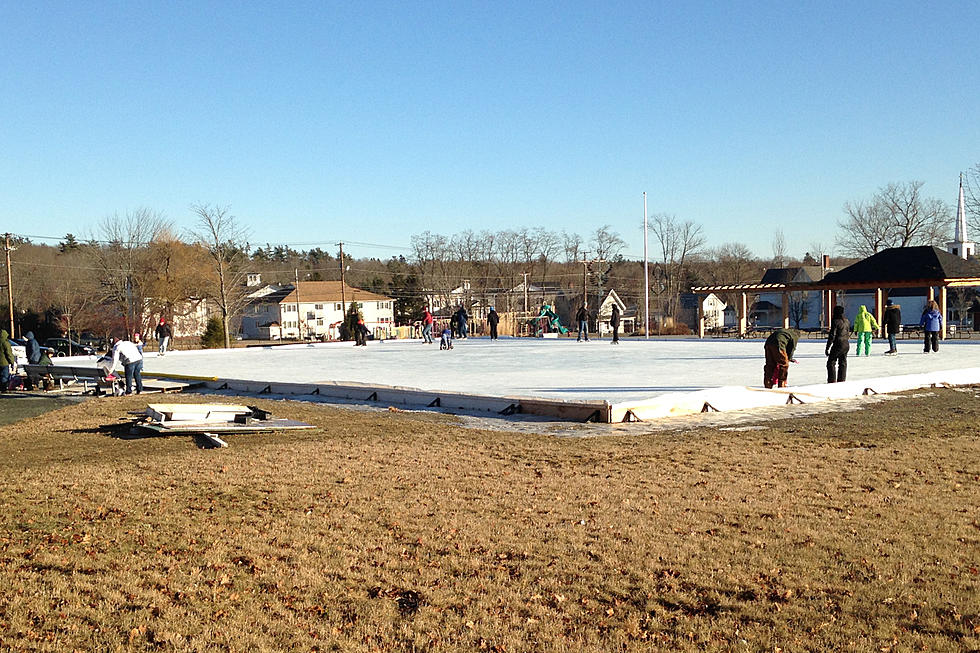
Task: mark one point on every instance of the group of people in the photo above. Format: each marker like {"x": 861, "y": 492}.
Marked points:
{"x": 457, "y": 326}
{"x": 781, "y": 345}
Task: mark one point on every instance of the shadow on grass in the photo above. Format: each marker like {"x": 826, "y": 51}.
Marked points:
{"x": 15, "y": 407}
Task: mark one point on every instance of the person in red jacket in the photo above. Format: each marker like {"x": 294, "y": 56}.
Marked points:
{"x": 427, "y": 326}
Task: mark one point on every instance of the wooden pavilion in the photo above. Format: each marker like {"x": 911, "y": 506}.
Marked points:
{"x": 899, "y": 267}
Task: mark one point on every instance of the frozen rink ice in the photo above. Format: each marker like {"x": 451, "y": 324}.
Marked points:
{"x": 634, "y": 370}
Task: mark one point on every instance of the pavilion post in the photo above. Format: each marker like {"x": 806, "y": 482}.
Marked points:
{"x": 785, "y": 309}
{"x": 828, "y": 306}
{"x": 932, "y": 294}
{"x": 743, "y": 314}
{"x": 879, "y": 310}
{"x": 700, "y": 315}
{"x": 942, "y": 311}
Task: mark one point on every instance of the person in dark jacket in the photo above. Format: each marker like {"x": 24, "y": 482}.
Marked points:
{"x": 779, "y": 347}
{"x": 837, "y": 346}
{"x": 614, "y": 323}
{"x": 493, "y": 320}
{"x": 33, "y": 348}
{"x": 461, "y": 318}
{"x": 932, "y": 323}
{"x": 893, "y": 324}
{"x": 163, "y": 333}
{"x": 582, "y": 317}
{"x": 360, "y": 334}
{"x": 7, "y": 359}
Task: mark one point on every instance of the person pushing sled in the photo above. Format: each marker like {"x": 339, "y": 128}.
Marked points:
{"x": 780, "y": 347}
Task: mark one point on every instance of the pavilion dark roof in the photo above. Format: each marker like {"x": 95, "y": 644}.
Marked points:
{"x": 905, "y": 264}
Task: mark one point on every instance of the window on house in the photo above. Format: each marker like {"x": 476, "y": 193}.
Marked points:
{"x": 337, "y": 307}
{"x": 318, "y": 307}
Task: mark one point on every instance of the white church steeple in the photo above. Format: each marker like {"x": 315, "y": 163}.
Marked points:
{"x": 960, "y": 246}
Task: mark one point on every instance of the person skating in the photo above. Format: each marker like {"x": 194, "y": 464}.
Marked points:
{"x": 582, "y": 317}
{"x": 163, "y": 333}
{"x": 837, "y": 346}
{"x": 446, "y": 339}
{"x": 125, "y": 352}
{"x": 932, "y": 323}
{"x": 893, "y": 324}
{"x": 461, "y": 318}
{"x": 360, "y": 334}
{"x": 864, "y": 324}
{"x": 427, "y": 326}
{"x": 779, "y": 347}
{"x": 493, "y": 320}
{"x": 614, "y": 323}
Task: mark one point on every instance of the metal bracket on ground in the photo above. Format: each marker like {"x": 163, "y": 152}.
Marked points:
{"x": 630, "y": 416}
{"x": 510, "y": 410}
{"x": 266, "y": 390}
{"x": 373, "y": 396}
{"x": 793, "y": 399}
{"x": 708, "y": 408}
{"x": 435, "y": 403}
{"x": 869, "y": 391}
{"x": 595, "y": 416}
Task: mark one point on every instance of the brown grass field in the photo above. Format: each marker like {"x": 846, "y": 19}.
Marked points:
{"x": 395, "y": 531}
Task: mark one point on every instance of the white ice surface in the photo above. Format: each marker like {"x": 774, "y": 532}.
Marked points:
{"x": 560, "y": 369}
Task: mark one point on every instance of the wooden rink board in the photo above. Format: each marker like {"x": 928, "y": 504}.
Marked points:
{"x": 383, "y": 395}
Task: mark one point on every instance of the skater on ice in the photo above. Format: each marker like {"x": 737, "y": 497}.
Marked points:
{"x": 932, "y": 323}
{"x": 614, "y": 323}
{"x": 493, "y": 319}
{"x": 837, "y": 346}
{"x": 893, "y": 324}
{"x": 864, "y": 324}
{"x": 427, "y": 326}
{"x": 779, "y": 347}
{"x": 163, "y": 333}
{"x": 582, "y": 317}
{"x": 446, "y": 340}
{"x": 360, "y": 334}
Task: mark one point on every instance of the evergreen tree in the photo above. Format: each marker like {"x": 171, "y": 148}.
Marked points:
{"x": 350, "y": 321}
{"x": 214, "y": 334}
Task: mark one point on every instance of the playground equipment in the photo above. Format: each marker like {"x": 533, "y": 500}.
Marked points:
{"x": 547, "y": 322}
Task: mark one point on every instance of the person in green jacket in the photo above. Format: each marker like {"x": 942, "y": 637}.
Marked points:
{"x": 780, "y": 347}
{"x": 7, "y": 359}
{"x": 864, "y": 324}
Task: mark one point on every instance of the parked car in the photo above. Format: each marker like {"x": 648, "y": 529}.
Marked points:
{"x": 20, "y": 351}
{"x": 66, "y": 347}
{"x": 92, "y": 340}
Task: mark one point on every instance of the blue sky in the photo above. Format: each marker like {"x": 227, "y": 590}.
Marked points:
{"x": 319, "y": 122}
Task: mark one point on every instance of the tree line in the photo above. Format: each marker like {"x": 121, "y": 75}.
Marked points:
{"x": 139, "y": 267}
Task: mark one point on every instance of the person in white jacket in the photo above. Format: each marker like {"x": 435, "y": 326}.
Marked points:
{"x": 129, "y": 355}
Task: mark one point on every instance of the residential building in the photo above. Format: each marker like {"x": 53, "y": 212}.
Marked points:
{"x": 314, "y": 309}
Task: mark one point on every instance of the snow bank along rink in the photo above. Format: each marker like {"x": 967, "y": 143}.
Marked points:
{"x": 640, "y": 379}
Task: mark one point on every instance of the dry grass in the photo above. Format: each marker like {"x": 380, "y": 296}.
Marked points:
{"x": 404, "y": 532}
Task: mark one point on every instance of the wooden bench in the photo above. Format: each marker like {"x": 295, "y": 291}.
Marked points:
{"x": 69, "y": 375}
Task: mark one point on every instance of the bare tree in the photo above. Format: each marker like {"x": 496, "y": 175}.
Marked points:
{"x": 123, "y": 260}
{"x": 606, "y": 243}
{"x": 778, "y": 249}
{"x": 226, "y": 243}
{"x": 897, "y": 216}
{"x": 572, "y": 244}
{"x": 678, "y": 242}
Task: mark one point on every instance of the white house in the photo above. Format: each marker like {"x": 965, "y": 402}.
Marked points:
{"x": 627, "y": 318}
{"x": 315, "y": 309}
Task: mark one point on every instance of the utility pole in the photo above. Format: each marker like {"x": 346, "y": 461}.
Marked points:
{"x": 343, "y": 301}
{"x": 10, "y": 290}
{"x": 586, "y": 266}
{"x": 299, "y": 316}
{"x": 526, "y": 305}
{"x": 646, "y": 274}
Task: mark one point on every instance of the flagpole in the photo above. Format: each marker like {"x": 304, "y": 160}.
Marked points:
{"x": 646, "y": 274}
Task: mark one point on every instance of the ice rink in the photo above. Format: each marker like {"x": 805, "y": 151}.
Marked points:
{"x": 633, "y": 371}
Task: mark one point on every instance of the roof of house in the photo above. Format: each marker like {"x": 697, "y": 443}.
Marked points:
{"x": 329, "y": 291}
{"x": 800, "y": 273}
{"x": 907, "y": 264}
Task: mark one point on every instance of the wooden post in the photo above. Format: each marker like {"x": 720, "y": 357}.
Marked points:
{"x": 743, "y": 314}
{"x": 700, "y": 303}
{"x": 785, "y": 309}
{"x": 942, "y": 311}
{"x": 829, "y": 297}
{"x": 879, "y": 310}
{"x": 932, "y": 294}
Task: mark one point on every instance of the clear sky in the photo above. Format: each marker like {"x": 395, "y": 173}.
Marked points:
{"x": 365, "y": 121}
